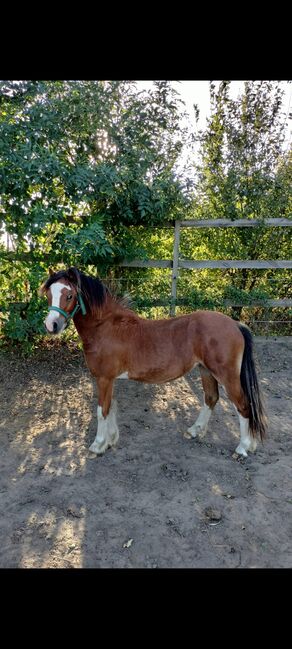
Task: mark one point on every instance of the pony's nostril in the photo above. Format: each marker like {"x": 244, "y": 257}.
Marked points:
{"x": 55, "y": 327}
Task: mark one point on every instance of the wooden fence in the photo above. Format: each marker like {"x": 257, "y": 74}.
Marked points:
{"x": 176, "y": 263}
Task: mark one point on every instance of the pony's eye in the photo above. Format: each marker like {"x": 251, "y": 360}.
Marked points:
{"x": 69, "y": 297}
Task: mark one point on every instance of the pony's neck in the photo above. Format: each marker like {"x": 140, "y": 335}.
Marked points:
{"x": 114, "y": 306}
{"x": 110, "y": 307}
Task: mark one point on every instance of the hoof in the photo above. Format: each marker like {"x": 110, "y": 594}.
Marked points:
{"x": 241, "y": 451}
{"x": 197, "y": 429}
{"x": 98, "y": 449}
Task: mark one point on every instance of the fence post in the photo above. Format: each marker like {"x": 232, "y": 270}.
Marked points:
{"x": 174, "y": 267}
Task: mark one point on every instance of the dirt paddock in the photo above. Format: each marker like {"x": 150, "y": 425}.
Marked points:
{"x": 158, "y": 500}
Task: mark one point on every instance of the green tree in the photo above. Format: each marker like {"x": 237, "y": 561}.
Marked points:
{"x": 243, "y": 173}
{"x": 80, "y": 162}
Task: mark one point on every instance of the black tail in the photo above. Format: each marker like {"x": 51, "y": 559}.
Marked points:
{"x": 250, "y": 386}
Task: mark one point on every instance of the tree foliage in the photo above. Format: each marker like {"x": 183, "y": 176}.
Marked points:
{"x": 244, "y": 173}
{"x": 86, "y": 165}
{"x": 79, "y": 160}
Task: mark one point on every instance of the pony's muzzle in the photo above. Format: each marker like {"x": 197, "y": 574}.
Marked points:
{"x": 54, "y": 326}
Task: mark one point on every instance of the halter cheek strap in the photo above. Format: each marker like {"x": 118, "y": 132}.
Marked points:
{"x": 80, "y": 305}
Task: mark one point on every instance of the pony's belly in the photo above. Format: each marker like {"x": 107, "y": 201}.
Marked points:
{"x": 159, "y": 375}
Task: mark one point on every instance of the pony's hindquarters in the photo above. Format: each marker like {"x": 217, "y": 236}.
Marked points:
{"x": 225, "y": 351}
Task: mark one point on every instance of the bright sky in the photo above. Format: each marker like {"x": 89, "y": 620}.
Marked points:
{"x": 197, "y": 92}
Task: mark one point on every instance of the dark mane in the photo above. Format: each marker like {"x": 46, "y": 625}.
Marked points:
{"x": 92, "y": 289}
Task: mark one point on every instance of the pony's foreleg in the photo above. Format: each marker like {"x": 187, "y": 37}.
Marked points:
{"x": 211, "y": 396}
{"x": 107, "y": 429}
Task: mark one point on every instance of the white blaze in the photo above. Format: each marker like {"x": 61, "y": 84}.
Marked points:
{"x": 53, "y": 316}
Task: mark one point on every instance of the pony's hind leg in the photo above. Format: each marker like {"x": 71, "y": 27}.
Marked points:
{"x": 247, "y": 442}
{"x": 236, "y": 395}
{"x": 107, "y": 429}
{"x": 211, "y": 396}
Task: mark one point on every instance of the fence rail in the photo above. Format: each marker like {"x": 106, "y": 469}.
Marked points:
{"x": 237, "y": 223}
{"x": 206, "y": 263}
{"x": 176, "y": 263}
{"x": 287, "y": 302}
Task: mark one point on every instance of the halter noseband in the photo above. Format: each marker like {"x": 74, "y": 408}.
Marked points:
{"x": 80, "y": 305}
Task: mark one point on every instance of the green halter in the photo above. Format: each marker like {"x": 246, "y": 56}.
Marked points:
{"x": 80, "y": 305}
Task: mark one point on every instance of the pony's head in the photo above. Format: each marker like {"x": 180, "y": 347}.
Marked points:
{"x": 63, "y": 290}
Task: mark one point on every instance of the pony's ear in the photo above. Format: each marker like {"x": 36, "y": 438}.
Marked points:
{"x": 51, "y": 272}
{"x": 74, "y": 276}
{"x": 41, "y": 290}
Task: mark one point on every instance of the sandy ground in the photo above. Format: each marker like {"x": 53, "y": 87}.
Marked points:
{"x": 158, "y": 500}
